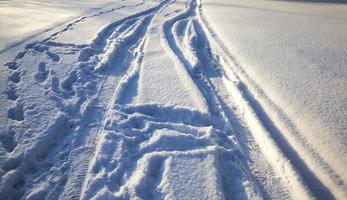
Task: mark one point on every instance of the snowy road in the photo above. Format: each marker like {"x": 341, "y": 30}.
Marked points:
{"x": 139, "y": 100}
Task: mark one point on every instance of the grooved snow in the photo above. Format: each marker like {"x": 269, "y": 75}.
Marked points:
{"x": 141, "y": 100}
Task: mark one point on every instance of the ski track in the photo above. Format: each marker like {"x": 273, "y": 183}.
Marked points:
{"x": 104, "y": 138}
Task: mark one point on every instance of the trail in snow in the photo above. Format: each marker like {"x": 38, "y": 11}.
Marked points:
{"x": 152, "y": 107}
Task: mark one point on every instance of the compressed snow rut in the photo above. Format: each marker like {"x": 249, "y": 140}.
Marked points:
{"x": 152, "y": 108}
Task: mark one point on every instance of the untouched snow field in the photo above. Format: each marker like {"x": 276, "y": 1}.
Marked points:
{"x": 21, "y": 20}
{"x": 169, "y": 99}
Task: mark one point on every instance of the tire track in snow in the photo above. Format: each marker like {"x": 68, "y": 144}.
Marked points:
{"x": 113, "y": 63}
{"x": 134, "y": 154}
{"x": 186, "y": 39}
{"x": 139, "y": 139}
{"x": 192, "y": 65}
{"x": 16, "y": 112}
{"x": 61, "y": 92}
{"x": 109, "y": 147}
{"x": 300, "y": 166}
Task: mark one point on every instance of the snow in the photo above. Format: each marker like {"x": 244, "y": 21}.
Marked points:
{"x": 296, "y": 52}
{"x": 21, "y": 20}
{"x": 172, "y": 100}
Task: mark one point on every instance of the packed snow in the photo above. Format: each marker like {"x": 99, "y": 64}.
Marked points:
{"x": 173, "y": 99}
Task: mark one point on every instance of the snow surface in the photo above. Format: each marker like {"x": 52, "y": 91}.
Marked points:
{"x": 21, "y": 20}
{"x": 172, "y": 100}
{"x": 296, "y": 52}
